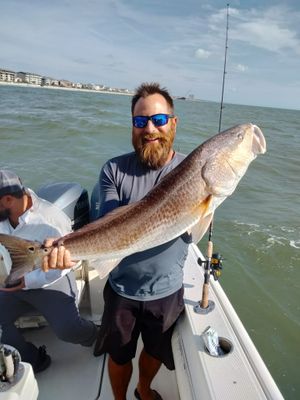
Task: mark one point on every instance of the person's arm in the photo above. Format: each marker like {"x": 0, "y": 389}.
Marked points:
{"x": 109, "y": 197}
{"x": 38, "y": 278}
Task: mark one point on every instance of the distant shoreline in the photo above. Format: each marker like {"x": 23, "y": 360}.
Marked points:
{"x": 30, "y": 85}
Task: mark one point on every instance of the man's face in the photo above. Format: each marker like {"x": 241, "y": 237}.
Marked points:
{"x": 154, "y": 144}
{"x": 4, "y": 211}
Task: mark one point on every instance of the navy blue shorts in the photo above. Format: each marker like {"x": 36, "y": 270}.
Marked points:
{"x": 125, "y": 319}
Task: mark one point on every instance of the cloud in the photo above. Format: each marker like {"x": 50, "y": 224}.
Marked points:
{"x": 121, "y": 42}
{"x": 268, "y": 35}
{"x": 241, "y": 67}
{"x": 271, "y": 29}
{"x": 202, "y": 54}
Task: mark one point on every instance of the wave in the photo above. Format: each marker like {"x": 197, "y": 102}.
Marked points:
{"x": 272, "y": 235}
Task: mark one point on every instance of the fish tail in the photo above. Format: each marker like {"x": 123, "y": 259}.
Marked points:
{"x": 23, "y": 254}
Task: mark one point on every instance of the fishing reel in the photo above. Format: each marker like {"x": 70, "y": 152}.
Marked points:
{"x": 216, "y": 265}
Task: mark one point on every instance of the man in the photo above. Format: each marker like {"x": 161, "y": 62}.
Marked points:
{"x": 53, "y": 293}
{"x": 144, "y": 293}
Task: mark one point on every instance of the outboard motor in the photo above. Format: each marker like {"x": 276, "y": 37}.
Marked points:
{"x": 71, "y": 198}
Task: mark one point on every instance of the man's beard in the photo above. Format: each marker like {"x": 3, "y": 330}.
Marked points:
{"x": 4, "y": 214}
{"x": 154, "y": 155}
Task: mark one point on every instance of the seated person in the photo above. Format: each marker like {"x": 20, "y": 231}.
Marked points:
{"x": 53, "y": 293}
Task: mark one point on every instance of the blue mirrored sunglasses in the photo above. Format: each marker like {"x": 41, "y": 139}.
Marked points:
{"x": 140, "y": 121}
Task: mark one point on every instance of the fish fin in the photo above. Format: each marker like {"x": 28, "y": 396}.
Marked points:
{"x": 199, "y": 230}
{"x": 20, "y": 251}
{"x": 206, "y": 207}
{"x": 104, "y": 267}
{"x": 205, "y": 211}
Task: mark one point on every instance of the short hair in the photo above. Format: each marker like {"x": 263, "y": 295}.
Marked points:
{"x": 18, "y": 194}
{"x": 147, "y": 89}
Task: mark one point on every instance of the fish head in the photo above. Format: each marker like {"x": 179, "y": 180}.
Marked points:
{"x": 228, "y": 155}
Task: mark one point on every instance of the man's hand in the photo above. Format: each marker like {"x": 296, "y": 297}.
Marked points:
{"x": 58, "y": 258}
{"x": 19, "y": 286}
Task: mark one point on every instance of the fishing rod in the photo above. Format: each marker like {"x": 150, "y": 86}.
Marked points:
{"x": 224, "y": 69}
{"x": 214, "y": 261}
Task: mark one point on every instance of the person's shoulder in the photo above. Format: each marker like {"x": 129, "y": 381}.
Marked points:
{"x": 179, "y": 156}
{"x": 120, "y": 163}
{"x": 122, "y": 158}
{"x": 48, "y": 210}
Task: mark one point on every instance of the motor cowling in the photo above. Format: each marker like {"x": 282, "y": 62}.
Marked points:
{"x": 71, "y": 198}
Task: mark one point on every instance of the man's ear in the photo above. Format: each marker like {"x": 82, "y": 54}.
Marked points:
{"x": 174, "y": 122}
{"x": 7, "y": 200}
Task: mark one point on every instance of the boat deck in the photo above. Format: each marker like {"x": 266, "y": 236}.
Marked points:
{"x": 75, "y": 374}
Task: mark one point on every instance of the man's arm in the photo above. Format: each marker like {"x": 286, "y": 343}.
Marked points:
{"x": 109, "y": 197}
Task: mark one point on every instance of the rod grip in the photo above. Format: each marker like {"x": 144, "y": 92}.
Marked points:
{"x": 205, "y": 290}
{"x": 209, "y": 249}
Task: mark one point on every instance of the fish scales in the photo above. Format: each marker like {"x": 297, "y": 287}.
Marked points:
{"x": 142, "y": 224}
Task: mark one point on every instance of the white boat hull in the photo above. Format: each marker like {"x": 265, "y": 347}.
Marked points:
{"x": 241, "y": 374}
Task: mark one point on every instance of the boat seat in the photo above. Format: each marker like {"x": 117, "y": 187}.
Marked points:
{"x": 34, "y": 319}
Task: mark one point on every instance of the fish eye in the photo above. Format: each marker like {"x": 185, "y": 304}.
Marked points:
{"x": 240, "y": 136}
{"x": 31, "y": 249}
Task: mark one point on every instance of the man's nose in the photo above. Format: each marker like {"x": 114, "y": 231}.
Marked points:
{"x": 150, "y": 127}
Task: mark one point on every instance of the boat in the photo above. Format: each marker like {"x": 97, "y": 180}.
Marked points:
{"x": 238, "y": 372}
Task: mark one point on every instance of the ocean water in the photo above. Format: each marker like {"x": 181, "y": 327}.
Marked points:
{"x": 55, "y": 135}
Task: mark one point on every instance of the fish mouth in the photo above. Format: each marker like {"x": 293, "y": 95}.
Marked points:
{"x": 259, "y": 145}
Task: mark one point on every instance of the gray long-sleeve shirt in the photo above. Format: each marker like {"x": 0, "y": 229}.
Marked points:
{"x": 154, "y": 273}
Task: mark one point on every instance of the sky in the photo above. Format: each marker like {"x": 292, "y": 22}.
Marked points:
{"x": 179, "y": 43}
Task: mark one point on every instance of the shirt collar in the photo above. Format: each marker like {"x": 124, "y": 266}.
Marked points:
{"x": 24, "y": 218}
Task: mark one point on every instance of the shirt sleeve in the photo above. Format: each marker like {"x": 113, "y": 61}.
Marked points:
{"x": 108, "y": 192}
{"x": 38, "y": 278}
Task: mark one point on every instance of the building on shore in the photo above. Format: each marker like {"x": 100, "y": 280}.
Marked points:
{"x": 28, "y": 77}
{"x": 7, "y": 76}
{"x": 46, "y": 81}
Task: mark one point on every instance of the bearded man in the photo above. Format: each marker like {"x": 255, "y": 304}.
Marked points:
{"x": 144, "y": 293}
